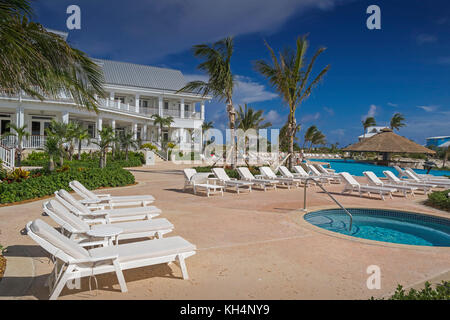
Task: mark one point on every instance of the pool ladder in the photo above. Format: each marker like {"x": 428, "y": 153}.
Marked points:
{"x": 329, "y": 194}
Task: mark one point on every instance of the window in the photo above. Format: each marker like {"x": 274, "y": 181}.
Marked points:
{"x": 35, "y": 128}
{"x": 4, "y": 126}
{"x": 121, "y": 99}
{"x": 144, "y": 103}
{"x": 186, "y": 107}
{"x": 91, "y": 130}
{"x": 166, "y": 105}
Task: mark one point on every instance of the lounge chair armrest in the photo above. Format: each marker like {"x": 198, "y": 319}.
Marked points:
{"x": 90, "y": 201}
{"x": 92, "y": 243}
{"x": 103, "y": 195}
{"x": 93, "y": 260}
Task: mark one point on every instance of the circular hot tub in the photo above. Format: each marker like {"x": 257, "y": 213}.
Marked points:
{"x": 385, "y": 225}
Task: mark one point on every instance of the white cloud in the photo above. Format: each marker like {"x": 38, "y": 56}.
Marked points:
{"x": 392, "y": 104}
{"x": 246, "y": 90}
{"x": 275, "y": 118}
{"x": 425, "y": 38}
{"x": 329, "y": 111}
{"x": 338, "y": 132}
{"x": 155, "y": 29}
{"x": 310, "y": 117}
{"x": 428, "y": 108}
{"x": 371, "y": 113}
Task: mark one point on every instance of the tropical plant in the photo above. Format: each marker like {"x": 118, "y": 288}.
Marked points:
{"x": 368, "y": 122}
{"x": 21, "y": 133}
{"x": 41, "y": 63}
{"x": 309, "y": 134}
{"x": 81, "y": 134}
{"x": 318, "y": 138}
{"x": 287, "y": 75}
{"x": 71, "y": 134}
{"x": 59, "y": 131}
{"x": 221, "y": 82}
{"x": 248, "y": 118}
{"x": 397, "y": 121}
{"x": 162, "y": 122}
{"x": 148, "y": 146}
{"x": 207, "y": 125}
{"x": 127, "y": 141}
{"x": 51, "y": 147}
{"x": 106, "y": 137}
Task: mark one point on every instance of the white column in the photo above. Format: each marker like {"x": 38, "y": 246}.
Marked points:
{"x": 144, "y": 132}
{"x": 20, "y": 116}
{"x": 134, "y": 131}
{"x": 137, "y": 98}
{"x": 99, "y": 126}
{"x": 65, "y": 117}
{"x": 113, "y": 125}
{"x": 111, "y": 95}
{"x": 202, "y": 110}
{"x": 182, "y": 108}
{"x": 160, "y": 105}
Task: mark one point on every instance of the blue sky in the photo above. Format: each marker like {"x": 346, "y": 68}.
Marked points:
{"x": 404, "y": 67}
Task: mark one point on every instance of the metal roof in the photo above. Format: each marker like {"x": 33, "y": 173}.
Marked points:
{"x": 135, "y": 75}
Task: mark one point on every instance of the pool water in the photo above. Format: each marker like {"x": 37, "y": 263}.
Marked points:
{"x": 357, "y": 168}
{"x": 385, "y": 225}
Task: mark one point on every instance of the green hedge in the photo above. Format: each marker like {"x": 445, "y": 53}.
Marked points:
{"x": 44, "y": 185}
{"x": 40, "y": 159}
{"x": 439, "y": 199}
{"x": 440, "y": 292}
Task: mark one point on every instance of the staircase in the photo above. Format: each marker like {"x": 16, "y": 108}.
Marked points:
{"x": 7, "y": 157}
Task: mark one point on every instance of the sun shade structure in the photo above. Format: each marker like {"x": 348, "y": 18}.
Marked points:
{"x": 388, "y": 142}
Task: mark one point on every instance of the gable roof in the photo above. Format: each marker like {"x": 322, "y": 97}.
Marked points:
{"x": 136, "y": 75}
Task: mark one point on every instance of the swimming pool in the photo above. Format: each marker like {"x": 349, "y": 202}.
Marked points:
{"x": 385, "y": 225}
{"x": 357, "y": 168}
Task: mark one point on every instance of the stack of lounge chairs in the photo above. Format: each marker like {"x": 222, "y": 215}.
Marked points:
{"x": 91, "y": 232}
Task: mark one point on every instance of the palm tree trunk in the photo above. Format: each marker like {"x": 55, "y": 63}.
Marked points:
{"x": 126, "y": 153}
{"x": 232, "y": 118}
{"x": 51, "y": 163}
{"x": 310, "y": 146}
{"x": 79, "y": 149}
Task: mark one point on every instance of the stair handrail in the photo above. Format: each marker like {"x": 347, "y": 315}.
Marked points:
{"x": 329, "y": 194}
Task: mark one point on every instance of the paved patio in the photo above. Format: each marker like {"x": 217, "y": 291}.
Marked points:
{"x": 250, "y": 246}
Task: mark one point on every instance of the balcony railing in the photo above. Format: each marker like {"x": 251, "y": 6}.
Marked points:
{"x": 191, "y": 115}
{"x": 171, "y": 112}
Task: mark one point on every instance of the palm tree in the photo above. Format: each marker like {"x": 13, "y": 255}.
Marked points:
{"x": 127, "y": 141}
{"x": 51, "y": 147}
{"x": 309, "y": 134}
{"x": 318, "y": 138}
{"x": 20, "y": 133}
{"x": 287, "y": 76}
{"x": 71, "y": 134}
{"x": 59, "y": 131}
{"x": 207, "y": 125}
{"x": 162, "y": 122}
{"x": 41, "y": 63}
{"x": 368, "y": 122}
{"x": 397, "y": 121}
{"x": 248, "y": 118}
{"x": 106, "y": 136}
{"x": 81, "y": 135}
{"x": 221, "y": 82}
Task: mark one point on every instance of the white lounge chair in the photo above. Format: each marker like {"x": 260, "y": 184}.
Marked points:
{"x": 200, "y": 180}
{"x": 110, "y": 215}
{"x": 246, "y": 175}
{"x": 227, "y": 182}
{"x": 425, "y": 187}
{"x": 374, "y": 180}
{"x": 72, "y": 261}
{"x": 352, "y": 185}
{"x": 288, "y": 174}
{"x": 326, "y": 178}
{"x": 83, "y": 232}
{"x": 427, "y": 177}
{"x": 437, "y": 183}
{"x": 324, "y": 170}
{"x": 400, "y": 172}
{"x": 269, "y": 174}
{"x": 111, "y": 201}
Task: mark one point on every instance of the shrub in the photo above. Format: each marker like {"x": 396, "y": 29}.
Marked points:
{"x": 148, "y": 146}
{"x": 440, "y": 292}
{"x": 439, "y": 199}
{"x": 37, "y": 156}
{"x": 44, "y": 185}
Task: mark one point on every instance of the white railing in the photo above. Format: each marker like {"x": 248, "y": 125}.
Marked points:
{"x": 171, "y": 112}
{"x": 34, "y": 142}
{"x": 191, "y": 115}
{"x": 8, "y": 157}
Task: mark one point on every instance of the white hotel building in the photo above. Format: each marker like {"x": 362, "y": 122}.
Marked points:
{"x": 134, "y": 94}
